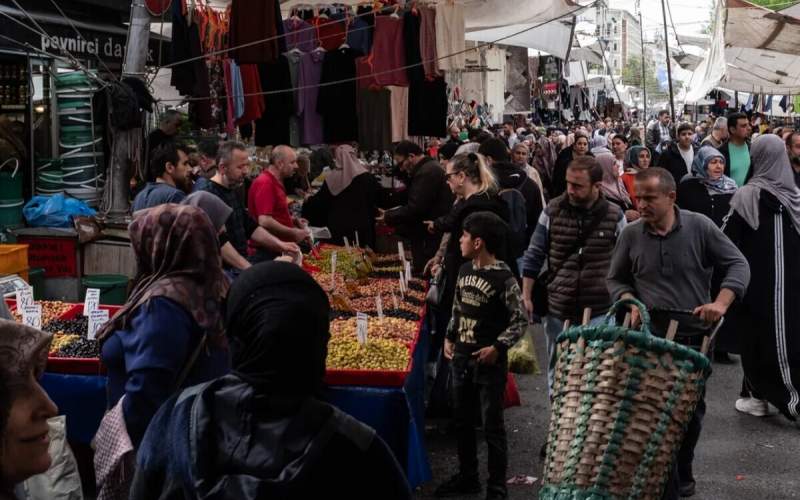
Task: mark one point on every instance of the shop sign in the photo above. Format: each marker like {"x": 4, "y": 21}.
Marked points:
{"x": 55, "y": 255}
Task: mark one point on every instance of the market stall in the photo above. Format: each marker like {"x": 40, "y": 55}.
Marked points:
{"x": 375, "y": 363}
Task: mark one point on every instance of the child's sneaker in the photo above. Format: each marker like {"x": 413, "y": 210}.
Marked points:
{"x": 458, "y": 485}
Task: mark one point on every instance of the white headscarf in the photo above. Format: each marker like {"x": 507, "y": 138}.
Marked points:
{"x": 347, "y": 168}
{"x": 772, "y": 172}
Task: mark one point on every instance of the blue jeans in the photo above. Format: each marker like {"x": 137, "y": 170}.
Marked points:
{"x": 552, "y": 328}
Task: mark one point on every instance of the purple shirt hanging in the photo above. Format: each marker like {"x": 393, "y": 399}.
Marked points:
{"x": 310, "y": 73}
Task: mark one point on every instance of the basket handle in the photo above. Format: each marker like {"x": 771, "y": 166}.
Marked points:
{"x": 16, "y": 166}
{"x": 643, "y": 314}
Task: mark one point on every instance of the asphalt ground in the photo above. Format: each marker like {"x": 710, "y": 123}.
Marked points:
{"x": 738, "y": 457}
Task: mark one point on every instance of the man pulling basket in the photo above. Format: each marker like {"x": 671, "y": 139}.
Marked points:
{"x": 666, "y": 260}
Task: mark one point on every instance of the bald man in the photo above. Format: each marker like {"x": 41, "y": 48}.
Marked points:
{"x": 267, "y": 203}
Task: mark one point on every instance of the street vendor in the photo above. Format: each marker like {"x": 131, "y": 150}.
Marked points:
{"x": 665, "y": 260}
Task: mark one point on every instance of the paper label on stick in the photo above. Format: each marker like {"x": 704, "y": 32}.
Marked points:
{"x": 32, "y": 315}
{"x": 92, "y": 301}
{"x": 24, "y": 298}
{"x": 358, "y": 243}
{"x": 408, "y": 273}
{"x": 401, "y": 252}
{"x": 347, "y": 243}
{"x": 361, "y": 327}
{"x": 394, "y": 301}
{"x": 97, "y": 319}
{"x": 379, "y": 306}
{"x": 402, "y": 284}
{"x": 333, "y": 269}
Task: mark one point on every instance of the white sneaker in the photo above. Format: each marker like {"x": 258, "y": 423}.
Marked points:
{"x": 753, "y": 406}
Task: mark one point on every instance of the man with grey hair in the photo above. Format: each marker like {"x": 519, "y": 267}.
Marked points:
{"x": 167, "y": 129}
{"x": 233, "y": 161}
{"x": 718, "y": 135}
{"x": 267, "y": 203}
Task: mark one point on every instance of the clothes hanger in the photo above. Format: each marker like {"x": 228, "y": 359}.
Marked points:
{"x": 395, "y": 14}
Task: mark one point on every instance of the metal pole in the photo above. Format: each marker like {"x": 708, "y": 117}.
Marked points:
{"x": 125, "y": 140}
{"x": 644, "y": 77}
{"x": 669, "y": 65}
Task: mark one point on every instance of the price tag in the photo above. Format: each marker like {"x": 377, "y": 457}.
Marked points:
{"x": 358, "y": 243}
{"x": 92, "y": 301}
{"x": 379, "y": 306}
{"x": 334, "y": 257}
{"x": 97, "y": 319}
{"x": 402, "y": 284}
{"x": 24, "y": 297}
{"x": 347, "y": 243}
{"x": 32, "y": 315}
{"x": 408, "y": 272}
{"x": 394, "y": 301}
{"x": 401, "y": 252}
{"x": 361, "y": 328}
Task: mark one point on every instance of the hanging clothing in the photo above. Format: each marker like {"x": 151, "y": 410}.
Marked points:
{"x": 251, "y": 21}
{"x": 251, "y": 88}
{"x": 411, "y": 36}
{"x": 330, "y": 32}
{"x": 237, "y": 89}
{"x": 365, "y": 72}
{"x": 374, "y": 123}
{"x": 389, "y": 52}
{"x": 427, "y": 41}
{"x": 427, "y": 108}
{"x": 450, "y": 36}
{"x": 273, "y": 126}
{"x": 229, "y": 110}
{"x": 359, "y": 35}
{"x": 399, "y": 105}
{"x": 307, "y": 81}
{"x": 337, "y": 103}
{"x": 299, "y": 35}
{"x": 294, "y": 75}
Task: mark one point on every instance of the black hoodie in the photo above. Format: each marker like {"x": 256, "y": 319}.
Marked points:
{"x": 510, "y": 176}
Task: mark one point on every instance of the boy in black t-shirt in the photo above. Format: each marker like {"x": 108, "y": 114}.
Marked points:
{"x": 488, "y": 318}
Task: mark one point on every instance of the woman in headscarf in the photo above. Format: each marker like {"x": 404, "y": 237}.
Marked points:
{"x": 637, "y": 158}
{"x": 565, "y": 157}
{"x": 765, "y": 225}
{"x": 612, "y": 187}
{"x": 707, "y": 190}
{"x": 218, "y": 211}
{"x": 24, "y": 432}
{"x": 347, "y": 201}
{"x": 262, "y": 432}
{"x": 172, "y": 321}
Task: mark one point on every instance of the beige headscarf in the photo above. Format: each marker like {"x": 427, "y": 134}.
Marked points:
{"x": 347, "y": 168}
{"x": 22, "y": 349}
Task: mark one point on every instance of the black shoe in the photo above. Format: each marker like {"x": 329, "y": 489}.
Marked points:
{"x": 687, "y": 489}
{"x": 543, "y": 451}
{"x": 458, "y": 485}
{"x": 723, "y": 358}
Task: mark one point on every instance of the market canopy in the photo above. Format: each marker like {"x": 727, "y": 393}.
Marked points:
{"x": 753, "y": 49}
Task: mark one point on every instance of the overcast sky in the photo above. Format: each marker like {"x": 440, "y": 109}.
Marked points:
{"x": 689, "y": 16}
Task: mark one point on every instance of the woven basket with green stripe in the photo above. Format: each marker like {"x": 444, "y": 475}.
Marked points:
{"x": 622, "y": 400}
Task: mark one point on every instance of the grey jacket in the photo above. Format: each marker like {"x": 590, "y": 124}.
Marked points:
{"x": 674, "y": 271}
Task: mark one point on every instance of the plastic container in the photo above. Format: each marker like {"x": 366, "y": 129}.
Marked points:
{"x": 72, "y": 79}
{"x": 50, "y": 179}
{"x": 10, "y": 180}
{"x": 36, "y": 280}
{"x": 14, "y": 259}
{"x": 79, "y": 366}
{"x": 11, "y": 214}
{"x": 113, "y": 287}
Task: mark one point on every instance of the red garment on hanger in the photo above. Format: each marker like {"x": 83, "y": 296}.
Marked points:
{"x": 331, "y": 33}
{"x": 389, "y": 52}
{"x": 253, "y": 21}
{"x": 251, "y": 84}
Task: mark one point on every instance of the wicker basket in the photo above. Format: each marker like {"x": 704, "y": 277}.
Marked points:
{"x": 621, "y": 402}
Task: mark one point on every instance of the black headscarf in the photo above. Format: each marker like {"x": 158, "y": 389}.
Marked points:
{"x": 277, "y": 323}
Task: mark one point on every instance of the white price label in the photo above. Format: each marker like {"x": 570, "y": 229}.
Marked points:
{"x": 97, "y": 319}
{"x": 334, "y": 257}
{"x": 32, "y": 315}
{"x": 358, "y": 243}
{"x": 402, "y": 284}
{"x": 361, "y": 327}
{"x": 394, "y": 301}
{"x": 346, "y": 243}
{"x": 408, "y": 272}
{"x": 400, "y": 251}
{"x": 92, "y": 301}
{"x": 379, "y": 306}
{"x": 24, "y": 297}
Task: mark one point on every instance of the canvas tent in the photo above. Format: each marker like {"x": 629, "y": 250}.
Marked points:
{"x": 753, "y": 49}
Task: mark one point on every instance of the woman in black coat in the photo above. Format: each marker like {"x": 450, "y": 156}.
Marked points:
{"x": 707, "y": 190}
{"x": 565, "y": 157}
{"x": 347, "y": 201}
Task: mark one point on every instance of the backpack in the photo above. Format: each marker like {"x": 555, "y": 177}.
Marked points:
{"x": 517, "y": 219}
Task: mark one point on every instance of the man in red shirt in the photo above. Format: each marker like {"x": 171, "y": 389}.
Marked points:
{"x": 267, "y": 201}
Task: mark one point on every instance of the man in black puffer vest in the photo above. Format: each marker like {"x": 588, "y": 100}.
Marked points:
{"x": 575, "y": 237}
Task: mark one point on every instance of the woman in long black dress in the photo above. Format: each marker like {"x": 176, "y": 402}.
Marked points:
{"x": 707, "y": 190}
{"x": 765, "y": 225}
{"x": 347, "y": 201}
